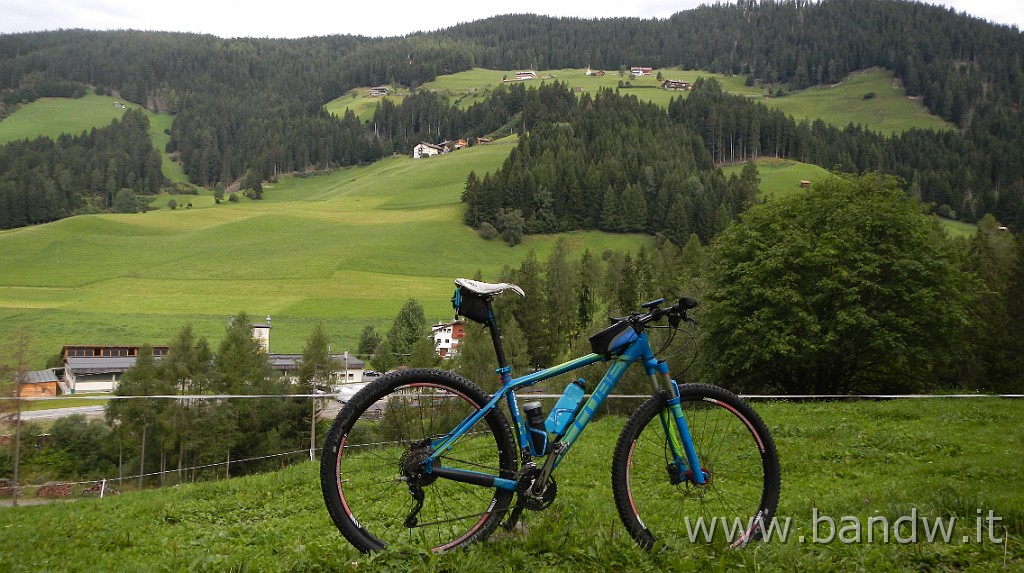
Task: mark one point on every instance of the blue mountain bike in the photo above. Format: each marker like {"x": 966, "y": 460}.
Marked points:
{"x": 425, "y": 457}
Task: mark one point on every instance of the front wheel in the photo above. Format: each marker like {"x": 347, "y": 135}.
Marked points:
{"x": 372, "y": 474}
{"x": 659, "y": 505}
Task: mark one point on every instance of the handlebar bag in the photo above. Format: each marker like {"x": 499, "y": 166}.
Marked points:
{"x": 615, "y": 336}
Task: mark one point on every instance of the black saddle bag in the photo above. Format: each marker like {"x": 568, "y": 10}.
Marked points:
{"x": 470, "y": 305}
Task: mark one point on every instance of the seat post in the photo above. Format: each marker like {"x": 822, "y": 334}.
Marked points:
{"x": 492, "y": 325}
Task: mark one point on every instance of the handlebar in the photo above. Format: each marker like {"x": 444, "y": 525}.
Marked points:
{"x": 675, "y": 313}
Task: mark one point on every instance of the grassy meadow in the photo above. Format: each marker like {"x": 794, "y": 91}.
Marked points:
{"x": 888, "y": 111}
{"x": 347, "y": 249}
{"x": 50, "y": 117}
{"x": 781, "y": 177}
{"x": 936, "y": 459}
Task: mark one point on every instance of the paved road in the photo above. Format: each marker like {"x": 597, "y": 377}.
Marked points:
{"x": 331, "y": 408}
{"x": 62, "y": 412}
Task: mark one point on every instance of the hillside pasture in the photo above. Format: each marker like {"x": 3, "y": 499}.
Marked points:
{"x": 362, "y": 103}
{"x": 871, "y": 99}
{"x": 780, "y": 177}
{"x": 347, "y": 249}
{"x": 472, "y": 86}
{"x": 783, "y": 177}
{"x": 887, "y": 111}
{"x": 51, "y": 117}
{"x": 851, "y": 462}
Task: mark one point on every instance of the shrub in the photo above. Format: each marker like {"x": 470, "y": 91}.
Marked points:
{"x": 487, "y": 231}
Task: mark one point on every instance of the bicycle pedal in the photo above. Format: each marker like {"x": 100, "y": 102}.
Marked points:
{"x": 519, "y": 527}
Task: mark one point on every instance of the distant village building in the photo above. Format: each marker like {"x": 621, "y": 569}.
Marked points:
{"x": 352, "y": 368}
{"x": 447, "y": 336}
{"x": 96, "y": 368}
{"x": 591, "y": 72}
{"x": 424, "y": 149}
{"x": 261, "y": 334}
{"x": 637, "y": 71}
{"x": 91, "y": 369}
{"x": 526, "y": 75}
{"x": 379, "y": 91}
{"x": 676, "y": 85}
{"x": 41, "y": 383}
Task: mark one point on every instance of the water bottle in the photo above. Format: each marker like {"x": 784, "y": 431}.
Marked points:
{"x": 565, "y": 410}
{"x": 535, "y": 425}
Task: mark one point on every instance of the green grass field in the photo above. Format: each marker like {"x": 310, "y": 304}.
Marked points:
{"x": 50, "y": 117}
{"x": 781, "y": 177}
{"x": 954, "y": 460}
{"x": 475, "y": 85}
{"x": 888, "y": 111}
{"x": 347, "y": 248}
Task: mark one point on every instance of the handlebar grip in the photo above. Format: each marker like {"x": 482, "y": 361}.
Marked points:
{"x": 686, "y": 303}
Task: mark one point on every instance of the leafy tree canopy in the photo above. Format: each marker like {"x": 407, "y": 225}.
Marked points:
{"x": 848, "y": 287}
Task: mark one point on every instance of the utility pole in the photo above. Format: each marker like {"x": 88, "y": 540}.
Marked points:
{"x": 18, "y": 378}
{"x": 21, "y": 343}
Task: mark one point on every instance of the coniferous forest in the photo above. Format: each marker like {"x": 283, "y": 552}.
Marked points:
{"x": 250, "y": 109}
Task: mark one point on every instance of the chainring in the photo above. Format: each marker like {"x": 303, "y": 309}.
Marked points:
{"x": 541, "y": 502}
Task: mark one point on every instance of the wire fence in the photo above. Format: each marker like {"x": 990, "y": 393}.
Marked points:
{"x": 105, "y": 482}
{"x": 104, "y": 486}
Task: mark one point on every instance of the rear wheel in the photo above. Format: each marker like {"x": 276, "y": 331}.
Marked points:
{"x": 659, "y": 505}
{"x": 371, "y": 469}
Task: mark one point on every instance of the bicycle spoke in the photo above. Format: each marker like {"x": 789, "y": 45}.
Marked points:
{"x": 742, "y": 479}
{"x": 385, "y": 436}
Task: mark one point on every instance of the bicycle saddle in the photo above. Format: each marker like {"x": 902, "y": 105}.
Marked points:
{"x": 487, "y": 289}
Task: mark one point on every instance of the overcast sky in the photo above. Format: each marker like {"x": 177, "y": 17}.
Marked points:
{"x": 301, "y": 18}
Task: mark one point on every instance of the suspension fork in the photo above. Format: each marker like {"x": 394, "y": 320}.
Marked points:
{"x": 685, "y": 465}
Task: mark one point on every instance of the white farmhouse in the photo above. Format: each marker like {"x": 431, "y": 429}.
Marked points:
{"x": 425, "y": 149}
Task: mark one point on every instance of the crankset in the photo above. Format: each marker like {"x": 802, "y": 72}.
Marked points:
{"x": 539, "y": 498}
{"x": 527, "y": 498}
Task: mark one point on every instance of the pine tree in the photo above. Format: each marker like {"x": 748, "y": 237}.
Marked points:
{"x": 318, "y": 368}
{"x": 409, "y": 326}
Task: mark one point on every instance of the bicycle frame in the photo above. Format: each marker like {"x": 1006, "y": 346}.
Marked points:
{"x": 682, "y": 449}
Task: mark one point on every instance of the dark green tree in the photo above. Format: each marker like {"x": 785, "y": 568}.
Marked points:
{"x": 992, "y": 254}
{"x": 845, "y": 288}
{"x": 511, "y": 225}
{"x": 369, "y": 341}
{"x": 561, "y": 301}
{"x": 475, "y": 357}
{"x": 318, "y": 368}
{"x": 409, "y": 326}
{"x": 423, "y": 354}
{"x": 134, "y": 420}
{"x": 126, "y": 201}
